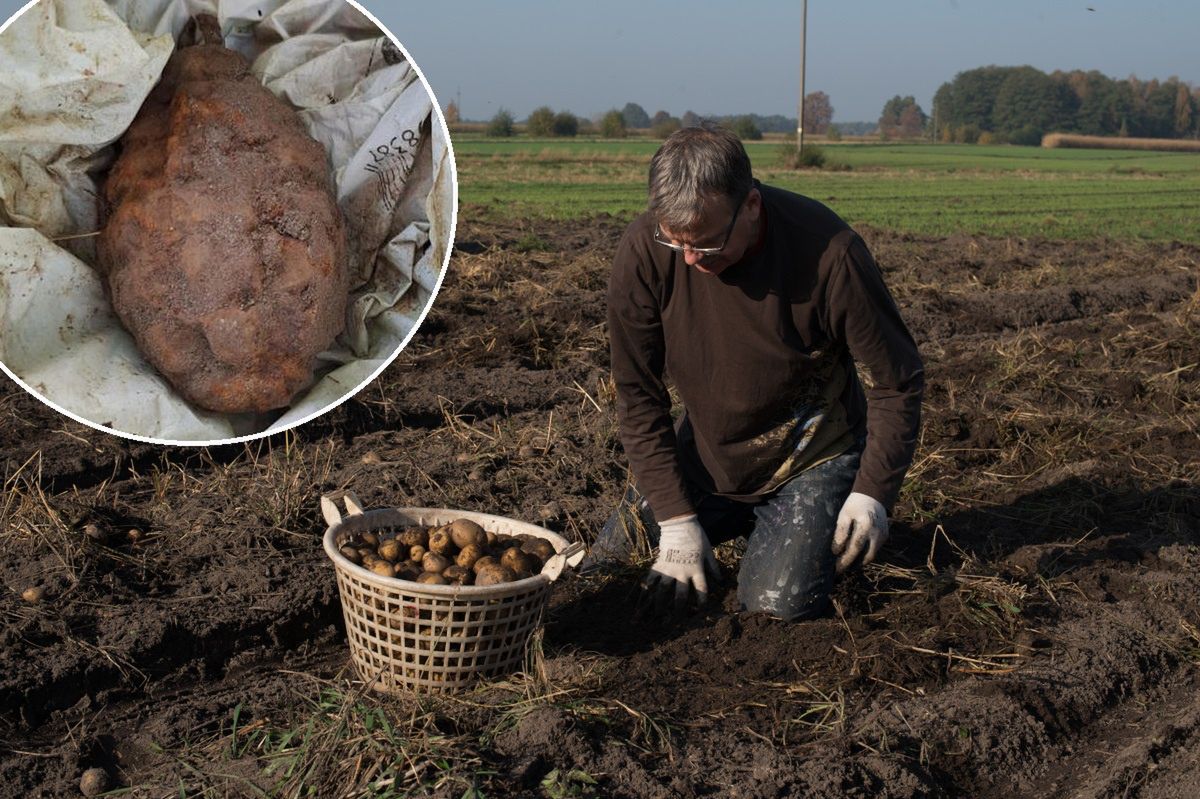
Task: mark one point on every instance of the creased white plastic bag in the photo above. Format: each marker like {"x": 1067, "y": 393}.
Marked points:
{"x": 76, "y": 73}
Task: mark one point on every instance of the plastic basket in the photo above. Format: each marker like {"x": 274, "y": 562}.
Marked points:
{"x": 433, "y": 638}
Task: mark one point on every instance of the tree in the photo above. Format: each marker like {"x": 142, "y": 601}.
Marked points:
{"x": 1185, "y": 111}
{"x": 690, "y": 119}
{"x": 968, "y": 99}
{"x": 635, "y": 116}
{"x": 818, "y": 113}
{"x": 565, "y": 124}
{"x": 540, "y": 122}
{"x": 451, "y": 113}
{"x": 1158, "y": 109}
{"x": 665, "y": 127}
{"x": 612, "y": 125}
{"x": 912, "y": 122}
{"x": 745, "y": 129}
{"x": 902, "y": 117}
{"x": 1030, "y": 103}
{"x": 501, "y": 124}
{"x": 659, "y": 118}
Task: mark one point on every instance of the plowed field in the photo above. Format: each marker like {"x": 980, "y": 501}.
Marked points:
{"x": 1032, "y": 628}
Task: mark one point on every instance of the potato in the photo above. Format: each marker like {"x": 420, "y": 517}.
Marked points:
{"x": 96, "y": 533}
{"x": 94, "y": 782}
{"x": 540, "y": 547}
{"x": 441, "y": 542}
{"x": 465, "y": 532}
{"x": 416, "y": 553}
{"x": 459, "y": 575}
{"x": 433, "y": 562}
{"x": 33, "y": 594}
{"x": 407, "y": 570}
{"x": 413, "y": 537}
{"x": 470, "y": 553}
{"x": 432, "y": 578}
{"x": 351, "y": 554}
{"x": 383, "y": 568}
{"x": 223, "y": 248}
{"x": 484, "y": 562}
{"x": 504, "y": 541}
{"x": 494, "y": 575}
{"x": 516, "y": 560}
{"x": 491, "y": 539}
{"x": 390, "y": 550}
{"x": 369, "y": 539}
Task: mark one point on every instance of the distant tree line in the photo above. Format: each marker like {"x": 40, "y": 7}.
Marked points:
{"x": 1020, "y": 104}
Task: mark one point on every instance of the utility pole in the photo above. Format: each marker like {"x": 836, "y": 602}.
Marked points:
{"x": 800, "y": 115}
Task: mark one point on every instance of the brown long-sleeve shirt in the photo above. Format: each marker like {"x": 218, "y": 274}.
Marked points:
{"x": 763, "y": 358}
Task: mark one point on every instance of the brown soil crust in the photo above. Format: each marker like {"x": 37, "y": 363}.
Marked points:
{"x": 1033, "y": 627}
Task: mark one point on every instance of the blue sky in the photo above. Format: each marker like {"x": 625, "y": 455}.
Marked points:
{"x": 712, "y": 59}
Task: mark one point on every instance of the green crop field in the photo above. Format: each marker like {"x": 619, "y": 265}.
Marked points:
{"x": 918, "y": 188}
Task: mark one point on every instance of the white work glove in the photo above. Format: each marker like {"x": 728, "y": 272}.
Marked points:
{"x": 683, "y": 555}
{"x": 862, "y": 522}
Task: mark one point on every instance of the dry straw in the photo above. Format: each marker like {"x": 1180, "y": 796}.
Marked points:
{"x": 1119, "y": 143}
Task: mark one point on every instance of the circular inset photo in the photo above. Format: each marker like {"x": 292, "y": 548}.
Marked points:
{"x": 218, "y": 218}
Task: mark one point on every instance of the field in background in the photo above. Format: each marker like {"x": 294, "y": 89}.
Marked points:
{"x": 916, "y": 188}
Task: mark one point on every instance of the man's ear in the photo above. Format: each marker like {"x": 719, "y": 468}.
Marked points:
{"x": 754, "y": 201}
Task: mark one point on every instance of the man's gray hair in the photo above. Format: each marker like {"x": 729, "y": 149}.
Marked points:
{"x": 692, "y": 166}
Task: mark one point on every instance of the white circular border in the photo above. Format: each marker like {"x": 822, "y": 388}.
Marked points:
{"x": 437, "y": 110}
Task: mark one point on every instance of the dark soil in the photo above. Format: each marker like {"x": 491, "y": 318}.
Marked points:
{"x": 1033, "y": 628}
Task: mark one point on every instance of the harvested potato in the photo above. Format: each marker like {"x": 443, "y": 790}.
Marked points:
{"x": 390, "y": 550}
{"x": 491, "y": 539}
{"x": 416, "y": 553}
{"x": 407, "y": 570}
{"x": 465, "y": 532}
{"x": 413, "y": 536}
{"x": 432, "y": 578}
{"x": 34, "y": 594}
{"x": 383, "y": 568}
{"x": 351, "y": 554}
{"x": 516, "y": 560}
{"x": 540, "y": 547}
{"x": 459, "y": 575}
{"x": 433, "y": 562}
{"x": 484, "y": 562}
{"x": 369, "y": 539}
{"x": 441, "y": 542}
{"x": 470, "y": 553}
{"x": 223, "y": 249}
{"x": 494, "y": 575}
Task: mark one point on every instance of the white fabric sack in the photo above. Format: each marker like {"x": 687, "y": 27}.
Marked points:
{"x": 76, "y": 72}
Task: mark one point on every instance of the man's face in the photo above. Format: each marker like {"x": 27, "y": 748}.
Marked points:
{"x": 718, "y": 218}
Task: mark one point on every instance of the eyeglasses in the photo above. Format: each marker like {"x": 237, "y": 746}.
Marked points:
{"x": 661, "y": 238}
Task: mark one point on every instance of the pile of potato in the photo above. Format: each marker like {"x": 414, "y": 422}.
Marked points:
{"x": 458, "y": 553}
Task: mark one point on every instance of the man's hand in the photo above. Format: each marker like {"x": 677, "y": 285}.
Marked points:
{"x": 863, "y": 522}
{"x": 683, "y": 555}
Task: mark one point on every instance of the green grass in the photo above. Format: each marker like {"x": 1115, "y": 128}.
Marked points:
{"x": 923, "y": 189}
